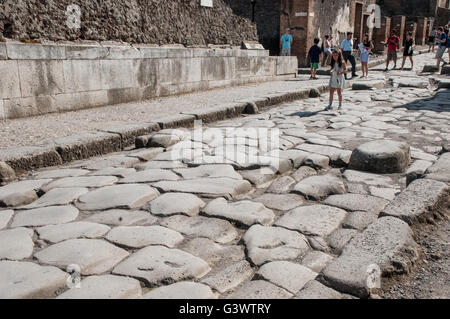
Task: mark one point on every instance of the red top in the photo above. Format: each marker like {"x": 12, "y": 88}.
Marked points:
{"x": 393, "y": 43}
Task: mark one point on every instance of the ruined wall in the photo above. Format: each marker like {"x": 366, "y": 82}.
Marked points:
{"x": 133, "y": 21}
{"x": 420, "y": 8}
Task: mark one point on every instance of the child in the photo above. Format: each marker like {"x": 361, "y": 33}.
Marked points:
{"x": 337, "y": 81}
{"x": 409, "y": 50}
{"x": 364, "y": 49}
{"x": 314, "y": 56}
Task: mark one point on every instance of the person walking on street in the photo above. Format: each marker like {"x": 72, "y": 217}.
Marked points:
{"x": 365, "y": 48}
{"x": 432, "y": 40}
{"x": 393, "y": 44}
{"x": 314, "y": 57}
{"x": 442, "y": 41}
{"x": 326, "y": 50}
{"x": 347, "y": 53}
{"x": 408, "y": 51}
{"x": 286, "y": 43}
{"x": 337, "y": 80}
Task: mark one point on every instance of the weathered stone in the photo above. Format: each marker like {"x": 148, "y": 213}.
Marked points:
{"x": 316, "y": 220}
{"x": 281, "y": 185}
{"x": 142, "y": 236}
{"x": 149, "y": 176}
{"x": 282, "y": 202}
{"x": 207, "y": 187}
{"x": 105, "y": 287}
{"x": 182, "y": 290}
{"x": 58, "y": 233}
{"x": 337, "y": 156}
{"x": 176, "y": 203}
{"x": 430, "y": 68}
{"x": 315, "y": 290}
{"x": 338, "y": 239}
{"x": 316, "y": 161}
{"x": 419, "y": 201}
{"x": 58, "y": 197}
{"x": 303, "y": 172}
{"x": 230, "y": 277}
{"x": 148, "y": 154}
{"x": 260, "y": 289}
{"x": 61, "y": 173}
{"x": 114, "y": 171}
{"x": 163, "y": 140}
{"x": 258, "y": 178}
{"x": 53, "y": 215}
{"x": 83, "y": 181}
{"x": 160, "y": 165}
{"x": 388, "y": 244}
{"x": 25, "y": 280}
{"x": 417, "y": 170}
{"x": 160, "y": 265}
{"x": 316, "y": 261}
{"x": 386, "y": 193}
{"x": 244, "y": 212}
{"x": 7, "y": 174}
{"x": 16, "y": 244}
{"x": 359, "y": 220}
{"x": 381, "y": 156}
{"x": 319, "y": 244}
{"x": 357, "y": 202}
{"x": 440, "y": 170}
{"x": 117, "y": 160}
{"x": 128, "y": 196}
{"x": 20, "y": 193}
{"x": 118, "y": 217}
{"x": 30, "y": 157}
{"x": 5, "y": 217}
{"x": 208, "y": 171}
{"x": 368, "y": 85}
{"x": 93, "y": 256}
{"x": 218, "y": 230}
{"x": 266, "y": 244}
{"x": 287, "y": 275}
{"x": 368, "y": 178}
{"x": 319, "y": 187}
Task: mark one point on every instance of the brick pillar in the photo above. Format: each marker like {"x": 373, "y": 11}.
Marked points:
{"x": 398, "y": 23}
{"x": 358, "y": 32}
{"x": 430, "y": 26}
{"x": 382, "y": 34}
{"x": 421, "y": 30}
{"x": 411, "y": 26}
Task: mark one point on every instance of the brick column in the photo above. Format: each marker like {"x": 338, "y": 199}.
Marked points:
{"x": 398, "y": 23}
{"x": 421, "y": 30}
{"x": 382, "y": 34}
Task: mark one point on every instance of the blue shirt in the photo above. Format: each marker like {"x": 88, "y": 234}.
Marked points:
{"x": 443, "y": 36}
{"x": 347, "y": 45}
{"x": 286, "y": 39}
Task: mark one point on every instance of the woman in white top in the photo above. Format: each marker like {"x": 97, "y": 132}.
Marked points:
{"x": 327, "y": 45}
{"x": 337, "y": 80}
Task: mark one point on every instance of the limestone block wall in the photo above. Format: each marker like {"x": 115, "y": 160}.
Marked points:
{"x": 38, "y": 79}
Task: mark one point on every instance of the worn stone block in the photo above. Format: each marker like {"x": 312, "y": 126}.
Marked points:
{"x": 20, "y": 51}
{"x": 28, "y": 157}
{"x": 82, "y": 75}
{"x": 9, "y": 81}
{"x": 41, "y": 77}
{"x": 117, "y": 74}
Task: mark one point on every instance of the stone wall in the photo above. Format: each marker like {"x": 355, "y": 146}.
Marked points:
{"x": 132, "y": 21}
{"x": 38, "y": 79}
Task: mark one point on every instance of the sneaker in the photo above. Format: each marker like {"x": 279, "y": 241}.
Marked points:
{"x": 329, "y": 107}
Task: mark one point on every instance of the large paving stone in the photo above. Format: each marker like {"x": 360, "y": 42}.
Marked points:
{"x": 244, "y": 212}
{"x": 176, "y": 203}
{"x": 230, "y": 277}
{"x": 441, "y": 169}
{"x": 337, "y": 156}
{"x": 114, "y": 171}
{"x": 316, "y": 260}
{"x": 303, "y": 172}
{"x": 287, "y": 275}
{"x": 259, "y": 177}
{"x": 359, "y": 220}
{"x": 53, "y": 215}
{"x": 381, "y": 156}
{"x": 93, "y": 256}
{"x": 340, "y": 238}
{"x": 315, "y": 290}
{"x": 208, "y": 171}
{"x": 357, "y": 202}
{"x": 422, "y": 199}
{"x": 142, "y": 236}
{"x": 368, "y": 178}
{"x": 260, "y": 289}
{"x": 59, "y": 233}
{"x": 25, "y": 280}
{"x": 315, "y": 220}
{"x": 149, "y": 176}
{"x": 157, "y": 265}
{"x": 117, "y": 160}
{"x": 105, "y": 287}
{"x": 283, "y": 202}
{"x": 58, "y": 197}
{"x": 83, "y": 181}
{"x": 207, "y": 187}
{"x": 61, "y": 173}
{"x": 219, "y": 230}
{"x": 388, "y": 244}
{"x": 21, "y": 193}
{"x": 128, "y": 196}
{"x": 16, "y": 244}
{"x": 281, "y": 185}
{"x": 119, "y": 217}
{"x": 182, "y": 290}
{"x": 319, "y": 187}
{"x": 160, "y": 165}
{"x": 266, "y": 244}
{"x": 5, "y": 217}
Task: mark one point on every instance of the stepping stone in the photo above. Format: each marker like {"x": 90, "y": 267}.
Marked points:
{"x": 118, "y": 217}
{"x": 5, "y": 217}
{"x": 114, "y": 171}
{"x": 282, "y": 202}
{"x": 53, "y": 215}
{"x": 422, "y": 199}
{"x": 315, "y": 220}
{"x": 260, "y": 289}
{"x": 93, "y": 256}
{"x": 83, "y": 181}
{"x": 105, "y": 287}
{"x": 337, "y": 156}
{"x": 129, "y": 196}
{"x": 359, "y": 220}
{"x": 287, "y": 275}
{"x": 440, "y": 170}
{"x": 176, "y": 203}
{"x": 266, "y": 244}
{"x": 21, "y": 193}
{"x": 319, "y": 187}
{"x": 58, "y": 197}
{"x": 149, "y": 176}
{"x": 208, "y": 171}
{"x": 142, "y": 236}
{"x": 340, "y": 238}
{"x": 207, "y": 187}
{"x": 61, "y": 173}
{"x": 357, "y": 202}
{"x": 157, "y": 265}
{"x": 160, "y": 165}
{"x": 231, "y": 277}
{"x": 315, "y": 290}
{"x": 316, "y": 261}
{"x": 25, "y": 280}
{"x": 213, "y": 253}
{"x": 244, "y": 212}
{"x": 388, "y": 244}
{"x": 382, "y": 156}
{"x": 219, "y": 230}
{"x": 368, "y": 178}
{"x": 303, "y": 172}
{"x": 16, "y": 244}
{"x": 182, "y": 290}
{"x": 281, "y": 185}
{"x": 59, "y": 233}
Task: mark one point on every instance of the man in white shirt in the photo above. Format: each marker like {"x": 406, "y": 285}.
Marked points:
{"x": 347, "y": 52}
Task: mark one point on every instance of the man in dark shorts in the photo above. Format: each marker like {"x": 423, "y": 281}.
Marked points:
{"x": 393, "y": 43}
